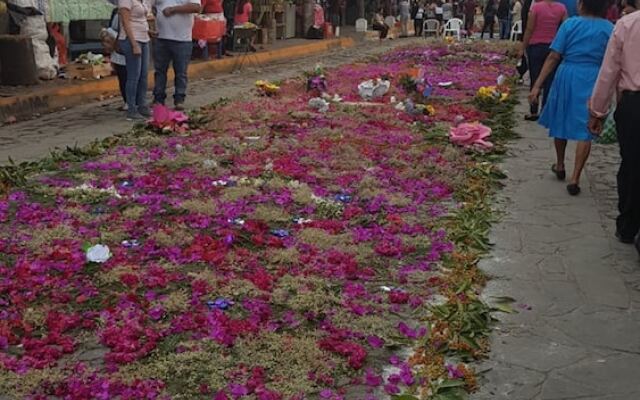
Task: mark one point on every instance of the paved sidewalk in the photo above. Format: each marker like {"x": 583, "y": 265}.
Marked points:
{"x": 577, "y": 331}
{"x": 30, "y": 140}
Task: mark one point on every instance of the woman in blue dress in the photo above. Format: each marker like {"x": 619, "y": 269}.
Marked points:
{"x": 579, "y": 48}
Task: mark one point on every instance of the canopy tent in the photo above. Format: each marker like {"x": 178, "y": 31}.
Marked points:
{"x": 74, "y": 10}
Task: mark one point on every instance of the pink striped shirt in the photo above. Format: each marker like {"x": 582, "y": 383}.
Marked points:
{"x": 621, "y": 68}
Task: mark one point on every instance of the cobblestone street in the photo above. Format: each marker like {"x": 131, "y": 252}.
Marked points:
{"x": 575, "y": 335}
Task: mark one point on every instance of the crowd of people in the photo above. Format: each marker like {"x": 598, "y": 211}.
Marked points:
{"x": 584, "y": 62}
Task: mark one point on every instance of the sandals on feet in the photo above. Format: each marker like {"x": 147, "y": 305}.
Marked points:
{"x": 561, "y": 175}
{"x": 531, "y": 117}
{"x": 573, "y": 189}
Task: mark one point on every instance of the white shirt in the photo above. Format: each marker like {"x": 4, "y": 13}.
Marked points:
{"x": 177, "y": 27}
{"x": 116, "y": 58}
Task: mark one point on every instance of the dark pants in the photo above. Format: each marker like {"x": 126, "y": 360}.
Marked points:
{"x": 417, "y": 26}
{"x": 178, "y": 54}
{"x": 468, "y": 23}
{"x": 121, "y": 73}
{"x": 537, "y": 54}
{"x": 383, "y": 28}
{"x": 627, "y": 117}
{"x": 137, "y": 67}
{"x": 489, "y": 25}
{"x": 315, "y": 33}
{"x": 505, "y": 28}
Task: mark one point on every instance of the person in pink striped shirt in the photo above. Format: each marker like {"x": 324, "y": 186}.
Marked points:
{"x": 620, "y": 74}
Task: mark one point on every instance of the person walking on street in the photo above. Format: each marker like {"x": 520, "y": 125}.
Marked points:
{"x": 516, "y": 14}
{"x": 544, "y": 20}
{"x": 469, "y": 15}
{"x": 620, "y": 74}
{"x": 489, "y": 19}
{"x": 174, "y": 21}
{"x": 118, "y": 62}
{"x": 134, "y": 44}
{"x": 417, "y": 13}
{"x": 405, "y": 15}
{"x": 577, "y": 52}
{"x": 504, "y": 14}
{"x": 447, "y": 11}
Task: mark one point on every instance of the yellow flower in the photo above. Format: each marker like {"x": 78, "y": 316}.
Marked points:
{"x": 430, "y": 110}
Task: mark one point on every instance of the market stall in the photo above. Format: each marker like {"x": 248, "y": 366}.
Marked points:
{"x": 82, "y": 21}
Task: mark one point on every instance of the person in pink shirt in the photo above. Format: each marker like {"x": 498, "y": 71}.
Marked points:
{"x": 315, "y": 31}
{"x": 243, "y": 12}
{"x": 620, "y": 74}
{"x": 543, "y": 23}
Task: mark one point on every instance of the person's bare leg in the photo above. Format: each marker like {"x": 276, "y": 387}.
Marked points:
{"x": 583, "y": 150}
{"x": 561, "y": 147}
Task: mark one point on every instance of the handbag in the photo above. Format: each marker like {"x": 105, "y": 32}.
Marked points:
{"x": 109, "y": 43}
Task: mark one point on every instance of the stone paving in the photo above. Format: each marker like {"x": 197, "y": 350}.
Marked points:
{"x": 30, "y": 140}
{"x": 576, "y": 333}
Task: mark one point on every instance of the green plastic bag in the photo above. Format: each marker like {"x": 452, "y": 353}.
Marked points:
{"x": 609, "y": 134}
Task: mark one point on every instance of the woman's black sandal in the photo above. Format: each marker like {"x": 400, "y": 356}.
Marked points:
{"x": 561, "y": 175}
{"x": 573, "y": 189}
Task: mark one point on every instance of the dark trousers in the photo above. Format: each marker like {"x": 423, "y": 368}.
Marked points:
{"x": 505, "y": 28}
{"x": 137, "y": 67}
{"x": 537, "y": 54}
{"x": 489, "y": 25}
{"x": 417, "y": 26}
{"x": 468, "y": 23}
{"x": 121, "y": 73}
{"x": 383, "y": 28}
{"x": 627, "y": 117}
{"x": 177, "y": 54}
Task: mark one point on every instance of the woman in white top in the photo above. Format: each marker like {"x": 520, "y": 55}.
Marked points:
{"x": 134, "y": 43}
{"x": 118, "y": 61}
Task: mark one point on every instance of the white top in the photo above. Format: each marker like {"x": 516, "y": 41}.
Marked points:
{"x": 177, "y": 27}
{"x": 116, "y": 58}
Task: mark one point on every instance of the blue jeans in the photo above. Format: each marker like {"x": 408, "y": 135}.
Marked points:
{"x": 537, "y": 55}
{"x": 137, "y": 69}
{"x": 505, "y": 29}
{"x": 178, "y": 54}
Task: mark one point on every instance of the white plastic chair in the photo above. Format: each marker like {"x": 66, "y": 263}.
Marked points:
{"x": 431, "y": 26}
{"x": 361, "y": 25}
{"x": 453, "y": 27}
{"x": 516, "y": 30}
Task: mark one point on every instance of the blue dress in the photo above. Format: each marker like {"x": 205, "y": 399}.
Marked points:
{"x": 581, "y": 41}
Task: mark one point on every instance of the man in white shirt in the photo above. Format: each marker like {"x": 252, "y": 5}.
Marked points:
{"x": 174, "y": 23}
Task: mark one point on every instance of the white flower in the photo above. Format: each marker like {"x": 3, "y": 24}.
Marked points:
{"x": 98, "y": 253}
{"x": 208, "y": 163}
{"x": 319, "y": 104}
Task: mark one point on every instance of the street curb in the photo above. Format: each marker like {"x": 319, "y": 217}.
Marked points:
{"x": 50, "y": 99}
